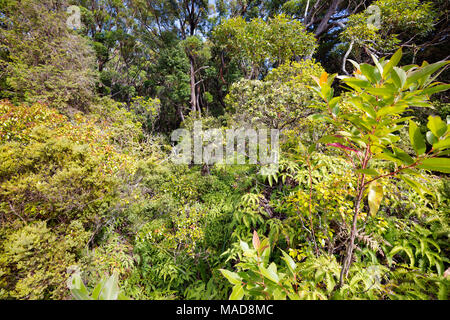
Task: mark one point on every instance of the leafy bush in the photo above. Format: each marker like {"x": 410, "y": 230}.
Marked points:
{"x": 279, "y": 101}
{"x": 48, "y": 252}
{"x": 44, "y": 61}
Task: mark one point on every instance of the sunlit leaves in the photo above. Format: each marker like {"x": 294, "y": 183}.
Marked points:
{"x": 405, "y": 17}
{"x": 370, "y": 172}
{"x": 252, "y": 42}
{"x": 436, "y": 164}
{"x": 232, "y": 277}
{"x": 374, "y": 197}
{"x": 371, "y": 73}
{"x": 290, "y": 263}
{"x": 395, "y": 59}
{"x": 437, "y": 126}
{"x": 416, "y": 138}
{"x": 270, "y": 272}
{"x": 431, "y": 138}
{"x": 237, "y": 293}
{"x": 421, "y": 75}
{"x": 399, "y": 77}
{"x": 106, "y": 289}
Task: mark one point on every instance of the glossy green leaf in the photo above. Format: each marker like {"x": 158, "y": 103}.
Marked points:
{"x": 424, "y": 72}
{"x": 431, "y": 138}
{"x": 237, "y": 293}
{"x": 436, "y": 164}
{"x": 110, "y": 289}
{"x": 400, "y": 77}
{"x": 231, "y": 276}
{"x": 437, "y": 126}
{"x": 435, "y": 89}
{"x": 357, "y": 84}
{"x": 269, "y": 274}
{"x": 416, "y": 138}
{"x": 77, "y": 288}
{"x": 403, "y": 156}
{"x": 442, "y": 144}
{"x": 395, "y": 59}
{"x": 416, "y": 186}
{"x": 390, "y": 110}
{"x": 370, "y": 72}
{"x": 369, "y": 172}
{"x": 290, "y": 263}
{"x": 375, "y": 195}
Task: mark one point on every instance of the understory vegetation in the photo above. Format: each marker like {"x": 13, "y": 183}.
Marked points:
{"x": 92, "y": 207}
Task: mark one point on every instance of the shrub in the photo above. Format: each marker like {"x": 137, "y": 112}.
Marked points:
{"x": 34, "y": 259}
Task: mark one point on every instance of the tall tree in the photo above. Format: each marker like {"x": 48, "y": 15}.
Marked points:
{"x": 256, "y": 42}
{"x": 187, "y": 18}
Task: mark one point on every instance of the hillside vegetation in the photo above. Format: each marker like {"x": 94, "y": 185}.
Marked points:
{"x": 93, "y": 207}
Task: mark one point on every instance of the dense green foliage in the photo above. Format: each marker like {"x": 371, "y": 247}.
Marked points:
{"x": 92, "y": 207}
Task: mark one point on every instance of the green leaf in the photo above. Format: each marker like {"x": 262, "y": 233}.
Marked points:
{"x": 369, "y": 172}
{"x": 370, "y": 72}
{"x": 123, "y": 297}
{"x": 436, "y": 164}
{"x": 410, "y": 254}
{"x": 334, "y": 102}
{"x": 78, "y": 295}
{"x": 395, "y": 250}
{"x": 395, "y": 59}
{"x": 237, "y": 293}
{"x": 435, "y": 89}
{"x": 319, "y": 117}
{"x": 110, "y": 290}
{"x": 330, "y": 139}
{"x": 98, "y": 289}
{"x": 311, "y": 148}
{"x": 416, "y": 138}
{"x": 244, "y": 246}
{"x": 377, "y": 64}
{"x": 320, "y": 274}
{"x": 442, "y": 144}
{"x": 431, "y": 138}
{"x": 231, "y": 276}
{"x": 289, "y": 262}
{"x": 265, "y": 246}
{"x": 375, "y": 196}
{"x": 357, "y": 84}
{"x": 383, "y": 92}
{"x": 390, "y": 110}
{"x": 355, "y": 64}
{"x": 400, "y": 77}
{"x": 77, "y": 288}
{"x": 269, "y": 274}
{"x": 403, "y": 156}
{"x": 424, "y": 72}
{"x": 416, "y": 186}
{"x": 437, "y": 126}
{"x": 386, "y": 155}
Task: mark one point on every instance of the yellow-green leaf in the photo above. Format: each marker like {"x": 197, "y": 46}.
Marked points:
{"x": 375, "y": 196}
{"x": 436, "y": 164}
{"x": 237, "y": 293}
{"x": 437, "y": 126}
{"x": 416, "y": 138}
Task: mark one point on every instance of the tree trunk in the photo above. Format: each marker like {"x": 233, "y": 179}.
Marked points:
{"x": 193, "y": 91}
{"x": 323, "y": 26}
